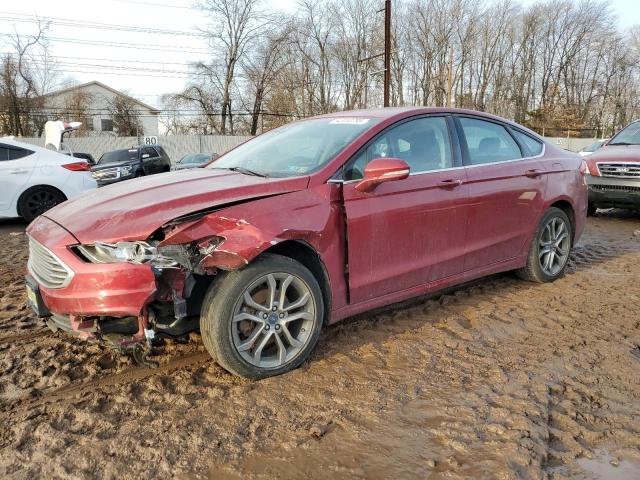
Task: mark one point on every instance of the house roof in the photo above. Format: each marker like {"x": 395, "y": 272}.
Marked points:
{"x": 106, "y": 87}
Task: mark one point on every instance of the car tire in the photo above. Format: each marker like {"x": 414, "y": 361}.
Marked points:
{"x": 550, "y": 249}
{"x": 591, "y": 210}
{"x": 248, "y": 326}
{"x": 139, "y": 173}
{"x": 37, "y": 200}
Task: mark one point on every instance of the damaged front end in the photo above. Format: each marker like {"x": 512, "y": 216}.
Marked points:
{"x": 182, "y": 273}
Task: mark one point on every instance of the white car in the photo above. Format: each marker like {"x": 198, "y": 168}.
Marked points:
{"x": 34, "y": 179}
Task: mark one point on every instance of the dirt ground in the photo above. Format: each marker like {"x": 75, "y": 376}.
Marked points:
{"x": 499, "y": 379}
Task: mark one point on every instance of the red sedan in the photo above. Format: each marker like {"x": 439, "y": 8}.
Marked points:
{"x": 303, "y": 226}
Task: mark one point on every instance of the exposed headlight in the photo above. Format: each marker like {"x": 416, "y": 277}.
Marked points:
{"x": 131, "y": 252}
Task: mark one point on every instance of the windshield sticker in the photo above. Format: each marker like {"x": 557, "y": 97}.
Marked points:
{"x": 349, "y": 121}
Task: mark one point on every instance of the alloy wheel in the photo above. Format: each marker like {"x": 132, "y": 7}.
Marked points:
{"x": 273, "y": 320}
{"x": 554, "y": 246}
{"x": 40, "y": 201}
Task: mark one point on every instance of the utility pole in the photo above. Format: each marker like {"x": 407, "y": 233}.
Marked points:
{"x": 387, "y": 51}
{"x": 450, "y": 77}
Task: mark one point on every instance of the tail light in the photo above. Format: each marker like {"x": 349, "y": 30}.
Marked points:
{"x": 77, "y": 166}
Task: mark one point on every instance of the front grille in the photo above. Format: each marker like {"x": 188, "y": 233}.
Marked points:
{"x": 46, "y": 268}
{"x": 621, "y": 188}
{"x": 620, "y": 170}
{"x": 106, "y": 174}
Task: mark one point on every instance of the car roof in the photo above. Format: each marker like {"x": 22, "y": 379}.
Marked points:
{"x": 28, "y": 146}
{"x": 398, "y": 113}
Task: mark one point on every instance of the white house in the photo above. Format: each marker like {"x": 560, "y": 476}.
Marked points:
{"x": 96, "y": 100}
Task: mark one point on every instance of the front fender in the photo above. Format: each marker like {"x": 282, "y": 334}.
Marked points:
{"x": 232, "y": 237}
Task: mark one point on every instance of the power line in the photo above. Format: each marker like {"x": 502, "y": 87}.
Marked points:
{"x": 69, "y": 22}
{"x": 153, "y": 4}
{"x": 135, "y": 46}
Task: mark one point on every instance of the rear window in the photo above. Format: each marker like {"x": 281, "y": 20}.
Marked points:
{"x": 9, "y": 152}
{"x": 488, "y": 142}
{"x": 119, "y": 156}
{"x": 533, "y": 146}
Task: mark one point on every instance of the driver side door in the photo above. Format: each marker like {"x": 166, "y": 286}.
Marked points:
{"x": 409, "y": 232}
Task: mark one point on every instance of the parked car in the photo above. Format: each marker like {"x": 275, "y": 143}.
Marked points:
{"x": 305, "y": 225}
{"x": 34, "y": 179}
{"x": 194, "y": 160}
{"x": 129, "y": 163}
{"x": 614, "y": 180}
{"x": 592, "y": 147}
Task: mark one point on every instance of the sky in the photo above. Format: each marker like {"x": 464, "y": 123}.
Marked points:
{"x": 92, "y": 40}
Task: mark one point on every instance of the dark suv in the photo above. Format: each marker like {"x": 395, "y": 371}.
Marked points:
{"x": 615, "y": 171}
{"x": 129, "y": 163}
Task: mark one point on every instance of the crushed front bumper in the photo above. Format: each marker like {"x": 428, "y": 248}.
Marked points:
{"x": 610, "y": 192}
{"x": 115, "y": 290}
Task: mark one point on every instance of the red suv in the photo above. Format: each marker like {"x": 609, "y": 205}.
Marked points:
{"x": 615, "y": 171}
{"x": 303, "y": 226}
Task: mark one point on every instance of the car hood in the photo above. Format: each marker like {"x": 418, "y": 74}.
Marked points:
{"x": 613, "y": 154}
{"x": 134, "y": 209}
{"x": 617, "y": 153}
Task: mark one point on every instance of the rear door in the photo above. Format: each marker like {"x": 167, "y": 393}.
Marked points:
{"x": 408, "y": 232}
{"x": 16, "y": 167}
{"x": 506, "y": 190}
{"x": 152, "y": 161}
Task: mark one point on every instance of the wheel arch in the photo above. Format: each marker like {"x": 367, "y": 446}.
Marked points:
{"x": 566, "y": 206}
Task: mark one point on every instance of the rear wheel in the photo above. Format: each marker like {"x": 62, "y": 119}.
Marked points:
{"x": 550, "y": 249}
{"x": 37, "y": 200}
{"x": 263, "y": 320}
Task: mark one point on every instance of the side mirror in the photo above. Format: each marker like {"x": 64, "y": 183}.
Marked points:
{"x": 382, "y": 170}
{"x": 145, "y": 156}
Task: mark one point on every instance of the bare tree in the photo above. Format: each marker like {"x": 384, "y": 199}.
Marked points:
{"x": 20, "y": 90}
{"x": 125, "y": 116}
{"x": 554, "y": 65}
{"x": 236, "y": 23}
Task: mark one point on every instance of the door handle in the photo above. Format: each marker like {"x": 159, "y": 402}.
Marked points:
{"x": 451, "y": 183}
{"x": 533, "y": 173}
{"x": 17, "y": 171}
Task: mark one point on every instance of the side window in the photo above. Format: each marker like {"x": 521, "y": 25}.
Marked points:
{"x": 16, "y": 153}
{"x": 533, "y": 146}
{"x": 150, "y": 151}
{"x": 488, "y": 142}
{"x": 423, "y": 143}
{"x": 9, "y": 152}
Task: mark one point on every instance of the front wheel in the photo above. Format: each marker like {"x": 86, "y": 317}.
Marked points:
{"x": 263, "y": 320}
{"x": 37, "y": 200}
{"x": 550, "y": 249}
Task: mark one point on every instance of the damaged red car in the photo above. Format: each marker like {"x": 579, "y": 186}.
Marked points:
{"x": 303, "y": 226}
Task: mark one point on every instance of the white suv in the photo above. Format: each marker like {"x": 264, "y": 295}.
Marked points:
{"x": 34, "y": 179}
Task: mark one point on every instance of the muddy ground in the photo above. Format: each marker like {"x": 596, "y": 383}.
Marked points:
{"x": 500, "y": 379}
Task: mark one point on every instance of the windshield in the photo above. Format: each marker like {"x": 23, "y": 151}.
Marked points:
{"x": 119, "y": 156}
{"x": 298, "y": 148}
{"x": 196, "y": 158}
{"x": 630, "y": 135}
{"x": 594, "y": 146}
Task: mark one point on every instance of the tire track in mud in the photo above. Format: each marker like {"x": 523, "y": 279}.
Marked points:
{"x": 25, "y": 337}
{"x": 76, "y": 389}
